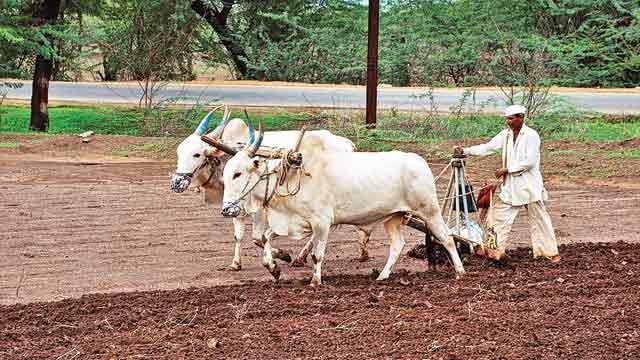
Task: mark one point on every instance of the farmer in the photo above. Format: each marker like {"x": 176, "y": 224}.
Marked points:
{"x": 522, "y": 185}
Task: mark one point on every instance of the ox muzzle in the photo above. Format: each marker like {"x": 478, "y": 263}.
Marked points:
{"x": 231, "y": 209}
{"x": 180, "y": 182}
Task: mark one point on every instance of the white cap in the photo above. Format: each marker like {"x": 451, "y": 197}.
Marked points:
{"x": 514, "y": 110}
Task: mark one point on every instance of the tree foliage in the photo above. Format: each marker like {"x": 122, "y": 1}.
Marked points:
{"x": 422, "y": 42}
{"x": 147, "y": 39}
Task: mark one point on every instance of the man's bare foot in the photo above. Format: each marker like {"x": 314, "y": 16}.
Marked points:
{"x": 555, "y": 259}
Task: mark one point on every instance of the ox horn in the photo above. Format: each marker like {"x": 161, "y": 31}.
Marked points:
{"x": 204, "y": 123}
{"x": 255, "y": 145}
{"x": 225, "y": 121}
{"x": 219, "y": 130}
{"x": 252, "y": 133}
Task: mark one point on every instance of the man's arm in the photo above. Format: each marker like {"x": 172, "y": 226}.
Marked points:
{"x": 489, "y": 148}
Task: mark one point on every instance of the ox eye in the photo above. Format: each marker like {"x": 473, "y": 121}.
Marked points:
{"x": 236, "y": 175}
{"x": 196, "y": 155}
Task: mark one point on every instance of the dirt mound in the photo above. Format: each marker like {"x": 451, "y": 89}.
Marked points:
{"x": 630, "y": 143}
{"x": 75, "y": 224}
{"x": 584, "y": 307}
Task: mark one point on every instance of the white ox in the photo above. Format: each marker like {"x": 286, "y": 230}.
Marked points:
{"x": 200, "y": 165}
{"x": 340, "y": 188}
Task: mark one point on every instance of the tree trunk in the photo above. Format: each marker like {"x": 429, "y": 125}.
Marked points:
{"x": 40, "y": 94}
{"x": 218, "y": 21}
{"x": 45, "y": 12}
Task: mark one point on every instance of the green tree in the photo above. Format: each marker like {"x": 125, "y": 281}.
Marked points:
{"x": 598, "y": 40}
{"x": 147, "y": 40}
{"x": 29, "y": 35}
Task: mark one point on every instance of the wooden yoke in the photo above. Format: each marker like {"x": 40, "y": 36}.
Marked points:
{"x": 293, "y": 157}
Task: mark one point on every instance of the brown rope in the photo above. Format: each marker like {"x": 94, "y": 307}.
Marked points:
{"x": 282, "y": 172}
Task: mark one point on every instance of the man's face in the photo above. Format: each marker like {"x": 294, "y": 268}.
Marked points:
{"x": 515, "y": 121}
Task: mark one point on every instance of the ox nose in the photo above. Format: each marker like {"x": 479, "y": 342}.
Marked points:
{"x": 180, "y": 183}
{"x": 231, "y": 209}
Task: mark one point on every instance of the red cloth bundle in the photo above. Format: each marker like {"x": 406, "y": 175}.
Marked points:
{"x": 484, "y": 196}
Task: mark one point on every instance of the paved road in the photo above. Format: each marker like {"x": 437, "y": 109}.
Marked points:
{"x": 627, "y": 101}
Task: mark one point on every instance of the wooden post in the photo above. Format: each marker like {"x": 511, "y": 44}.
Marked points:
{"x": 372, "y": 63}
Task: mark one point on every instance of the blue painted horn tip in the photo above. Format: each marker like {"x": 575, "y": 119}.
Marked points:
{"x": 252, "y": 135}
{"x": 204, "y": 124}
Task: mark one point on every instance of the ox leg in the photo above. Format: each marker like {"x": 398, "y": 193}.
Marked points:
{"x": 319, "y": 239}
{"x": 284, "y": 255}
{"x": 439, "y": 230}
{"x": 392, "y": 228}
{"x": 262, "y": 232}
{"x": 365, "y": 235}
{"x": 301, "y": 259}
{"x": 267, "y": 259}
{"x": 262, "y": 238}
{"x": 238, "y": 234}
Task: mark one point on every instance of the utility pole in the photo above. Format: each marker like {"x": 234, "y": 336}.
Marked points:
{"x": 372, "y": 63}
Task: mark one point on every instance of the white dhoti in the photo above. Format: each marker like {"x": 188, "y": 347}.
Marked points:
{"x": 543, "y": 238}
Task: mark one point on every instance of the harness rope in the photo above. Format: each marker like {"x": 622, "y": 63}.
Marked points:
{"x": 467, "y": 193}
{"x": 213, "y": 163}
{"x": 282, "y": 179}
{"x": 281, "y": 172}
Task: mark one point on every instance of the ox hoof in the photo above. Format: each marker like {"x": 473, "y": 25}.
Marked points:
{"x": 235, "y": 267}
{"x": 363, "y": 258}
{"x": 299, "y": 262}
{"x": 283, "y": 255}
{"x": 315, "y": 283}
{"x": 275, "y": 273}
{"x": 382, "y": 277}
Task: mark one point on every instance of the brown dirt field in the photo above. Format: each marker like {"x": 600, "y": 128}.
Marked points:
{"x": 585, "y": 308}
{"x": 78, "y": 220}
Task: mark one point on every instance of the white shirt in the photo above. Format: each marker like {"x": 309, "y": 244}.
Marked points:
{"x": 523, "y": 184}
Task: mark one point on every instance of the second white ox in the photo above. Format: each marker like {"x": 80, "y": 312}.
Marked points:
{"x": 200, "y": 165}
{"x": 339, "y": 188}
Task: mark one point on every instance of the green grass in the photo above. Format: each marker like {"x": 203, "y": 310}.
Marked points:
{"x": 155, "y": 147}
{"x": 8, "y": 144}
{"x": 623, "y": 154}
{"x": 564, "y": 153}
{"x": 393, "y": 126}
{"x": 158, "y": 148}
{"x": 75, "y": 119}
{"x": 127, "y": 121}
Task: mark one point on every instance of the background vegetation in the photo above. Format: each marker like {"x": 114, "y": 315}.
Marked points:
{"x": 394, "y": 128}
{"x": 422, "y": 42}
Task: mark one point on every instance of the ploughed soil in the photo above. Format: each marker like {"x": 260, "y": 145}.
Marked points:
{"x": 99, "y": 260}
{"x": 587, "y": 307}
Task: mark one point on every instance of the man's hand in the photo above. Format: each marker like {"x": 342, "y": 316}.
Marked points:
{"x": 457, "y": 151}
{"x": 501, "y": 173}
